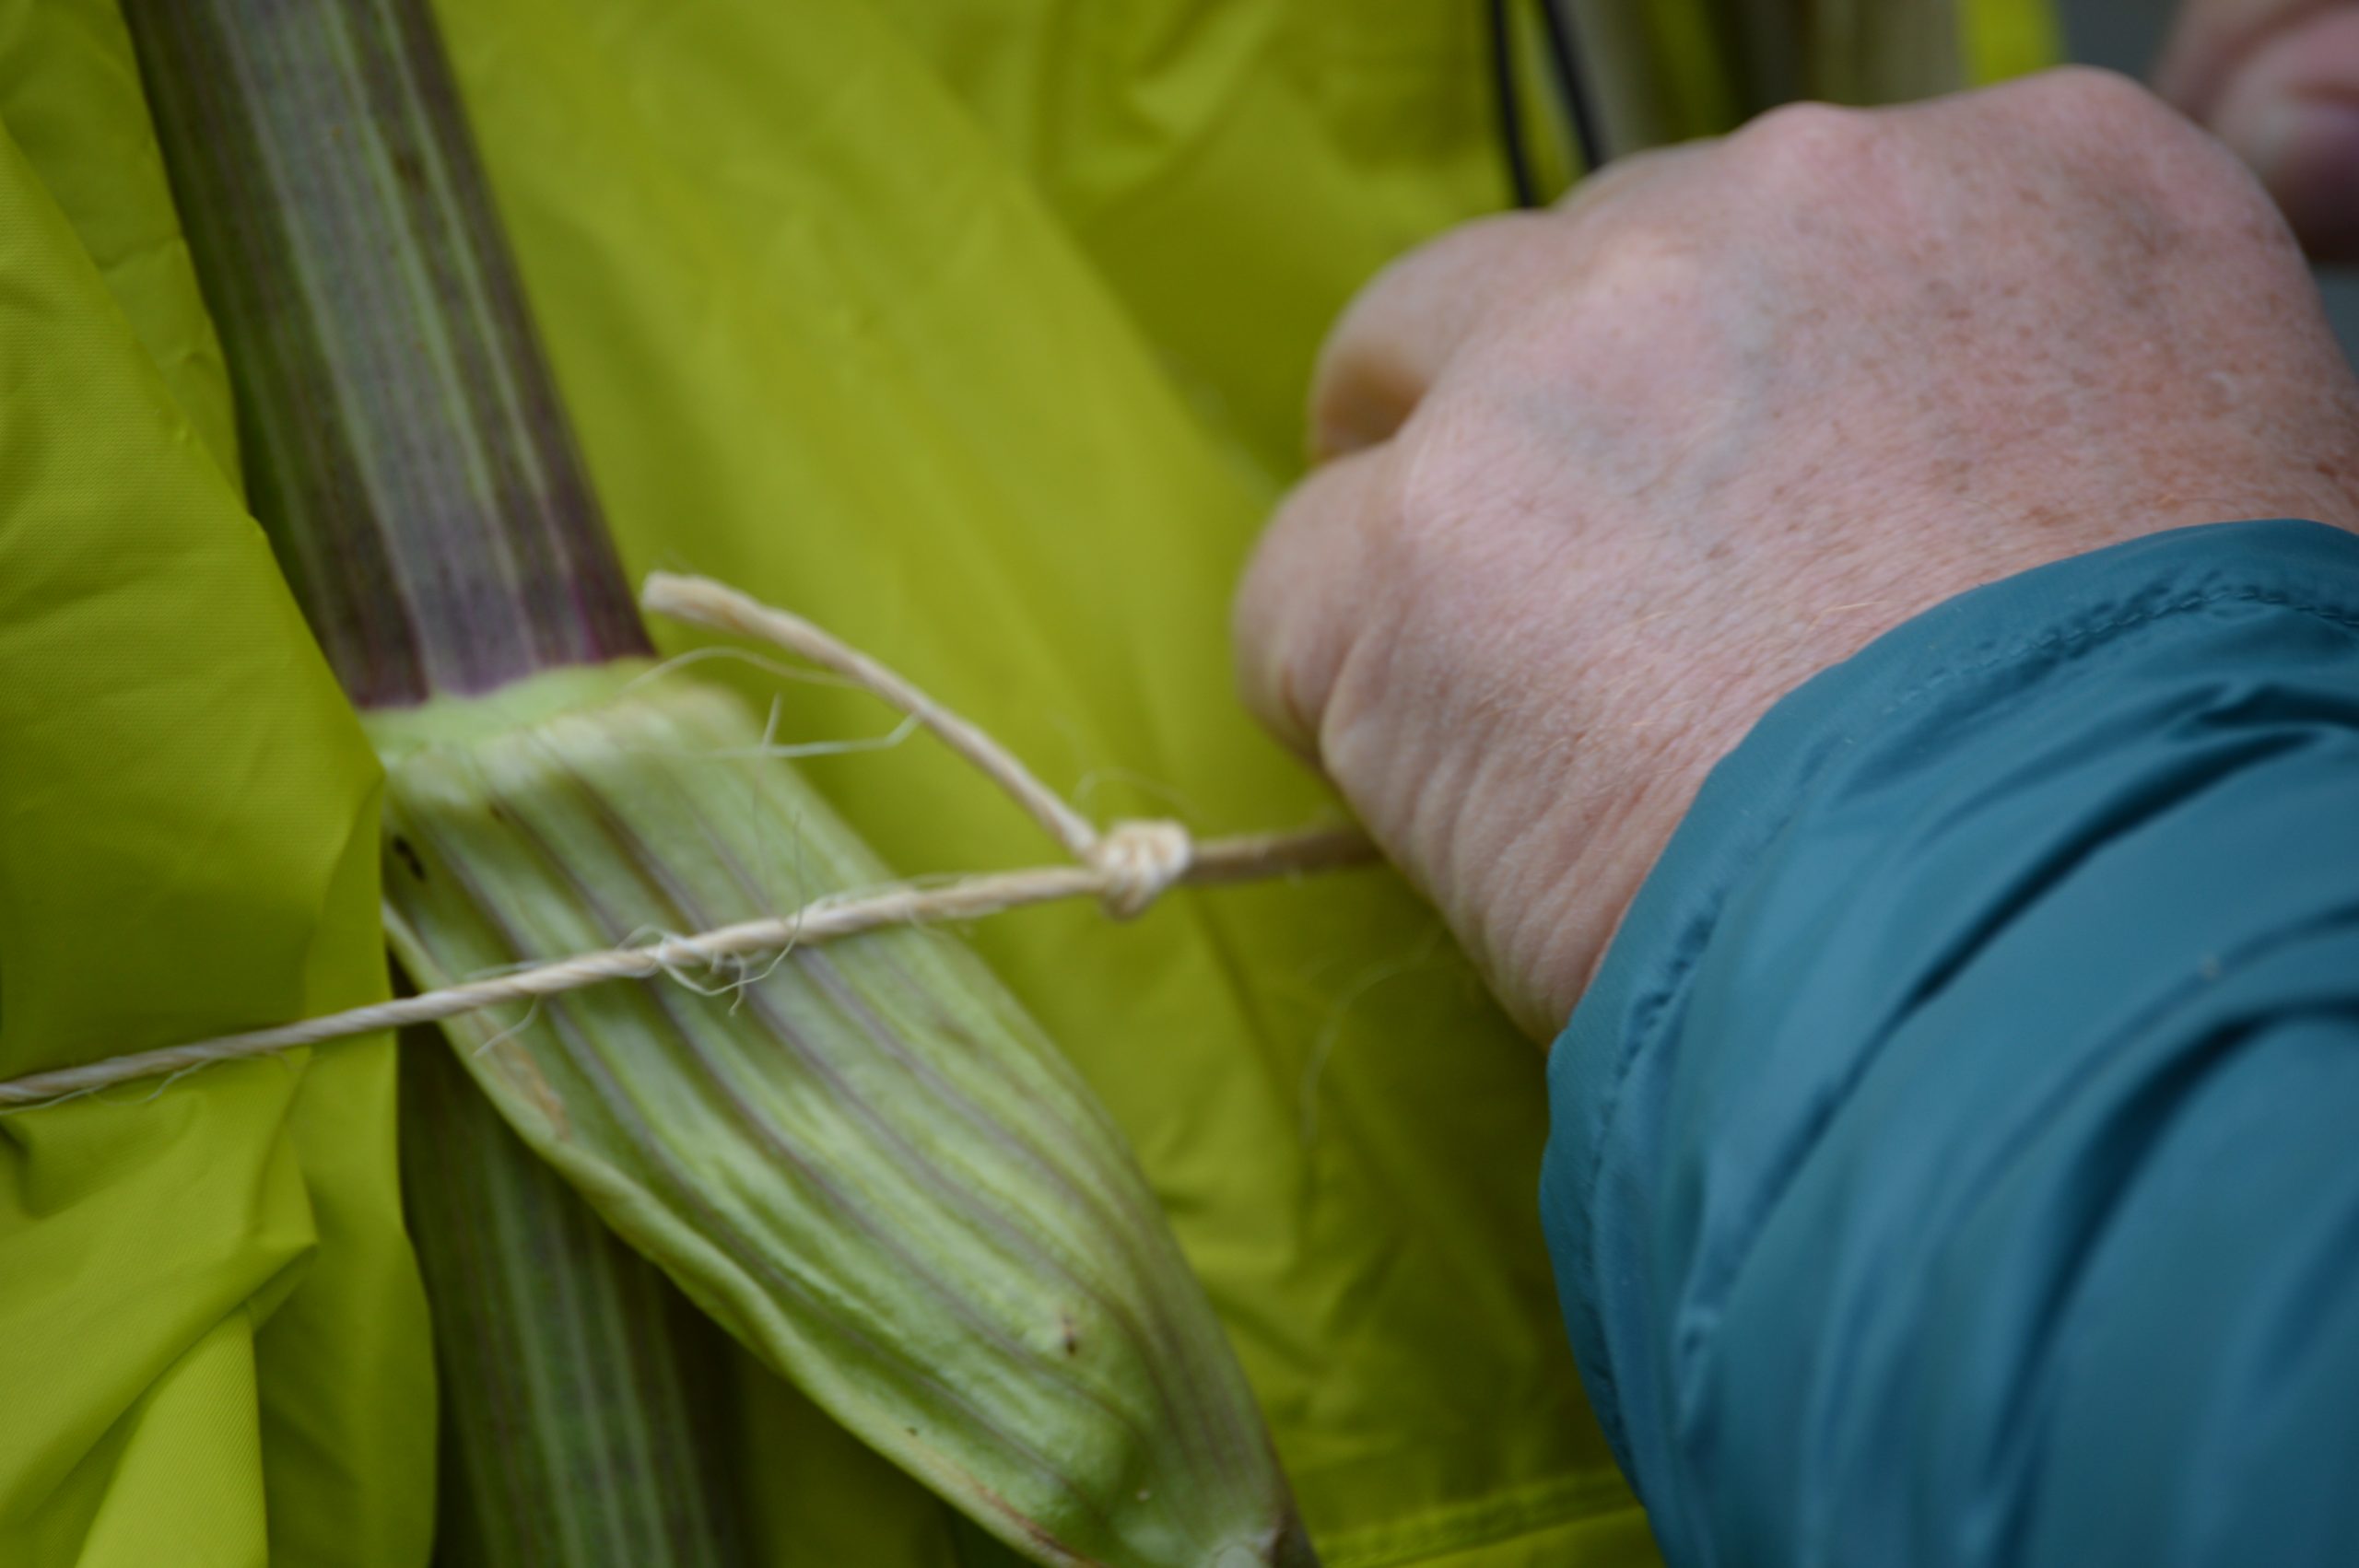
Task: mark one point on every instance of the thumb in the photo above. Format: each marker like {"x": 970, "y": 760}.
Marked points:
{"x": 2279, "y": 83}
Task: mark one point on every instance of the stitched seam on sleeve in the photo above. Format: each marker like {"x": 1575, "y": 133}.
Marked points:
{"x": 1695, "y": 934}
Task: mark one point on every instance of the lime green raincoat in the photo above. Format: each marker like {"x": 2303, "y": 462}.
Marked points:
{"x": 978, "y": 331}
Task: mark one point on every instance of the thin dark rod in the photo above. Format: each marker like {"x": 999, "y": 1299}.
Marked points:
{"x": 1572, "y": 84}
{"x": 1510, "y": 108}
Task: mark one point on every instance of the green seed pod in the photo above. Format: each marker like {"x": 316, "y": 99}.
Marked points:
{"x": 863, "y": 1159}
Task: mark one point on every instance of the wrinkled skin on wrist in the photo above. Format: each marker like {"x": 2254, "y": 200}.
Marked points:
{"x": 1601, "y": 483}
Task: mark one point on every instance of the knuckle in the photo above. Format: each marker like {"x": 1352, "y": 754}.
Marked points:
{"x": 2187, "y": 187}
{"x": 1808, "y": 143}
{"x": 2106, "y": 101}
{"x": 1408, "y": 322}
{"x": 2218, "y": 201}
{"x": 2107, "y": 123}
{"x": 1647, "y": 270}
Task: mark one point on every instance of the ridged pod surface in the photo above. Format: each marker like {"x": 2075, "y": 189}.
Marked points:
{"x": 865, "y": 1161}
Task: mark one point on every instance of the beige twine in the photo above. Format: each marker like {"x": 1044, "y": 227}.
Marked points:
{"x": 1126, "y": 867}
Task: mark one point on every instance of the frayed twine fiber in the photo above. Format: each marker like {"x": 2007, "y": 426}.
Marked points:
{"x": 1126, "y": 867}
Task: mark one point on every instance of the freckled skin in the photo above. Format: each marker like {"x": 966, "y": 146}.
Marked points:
{"x": 1602, "y": 483}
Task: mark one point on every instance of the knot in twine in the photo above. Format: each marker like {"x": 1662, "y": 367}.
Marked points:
{"x": 1127, "y": 866}
{"x": 1138, "y": 860}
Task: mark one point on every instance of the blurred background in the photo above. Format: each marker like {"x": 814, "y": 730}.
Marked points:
{"x": 2125, "y": 36}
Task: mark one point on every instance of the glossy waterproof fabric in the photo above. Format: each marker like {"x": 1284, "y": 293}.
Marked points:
{"x": 979, "y": 332}
{"x": 1952, "y": 1164}
{"x": 212, "y": 1340}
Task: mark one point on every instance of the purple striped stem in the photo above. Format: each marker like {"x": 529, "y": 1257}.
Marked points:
{"x": 402, "y": 440}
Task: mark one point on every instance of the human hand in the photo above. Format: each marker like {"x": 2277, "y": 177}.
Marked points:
{"x": 2278, "y": 80}
{"x": 1605, "y": 482}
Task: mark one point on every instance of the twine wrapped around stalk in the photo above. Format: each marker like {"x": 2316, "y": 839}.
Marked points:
{"x": 1126, "y": 867}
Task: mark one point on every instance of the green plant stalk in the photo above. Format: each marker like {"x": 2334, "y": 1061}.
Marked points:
{"x": 539, "y": 1309}
{"x": 405, "y": 452}
{"x": 405, "y": 446}
{"x": 864, "y": 1161}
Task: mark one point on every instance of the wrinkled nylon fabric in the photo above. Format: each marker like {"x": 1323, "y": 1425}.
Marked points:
{"x": 212, "y": 1340}
{"x": 979, "y": 332}
{"x": 1952, "y": 1162}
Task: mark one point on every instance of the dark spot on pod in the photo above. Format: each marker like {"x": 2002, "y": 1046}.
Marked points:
{"x": 409, "y": 169}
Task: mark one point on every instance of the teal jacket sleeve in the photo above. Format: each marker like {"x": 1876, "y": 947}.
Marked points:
{"x": 1956, "y": 1159}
